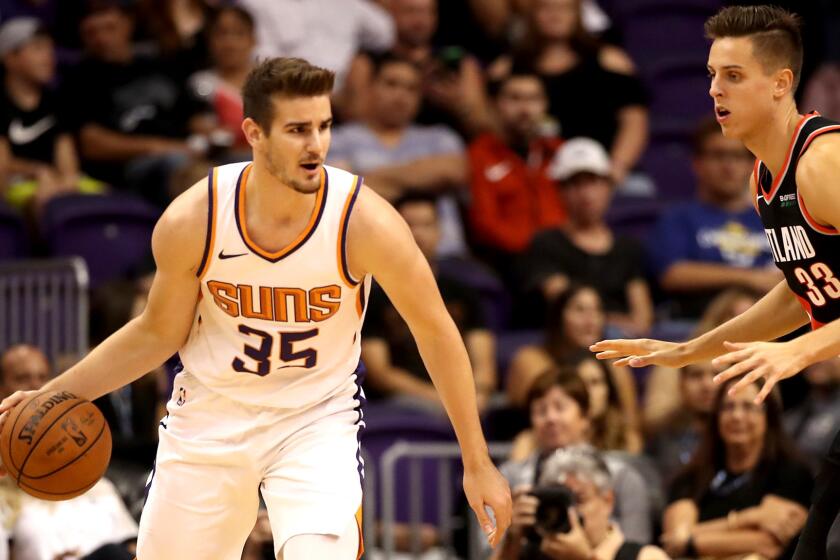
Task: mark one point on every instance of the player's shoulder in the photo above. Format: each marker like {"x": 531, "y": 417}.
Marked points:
{"x": 181, "y": 231}
{"x": 820, "y": 163}
{"x": 372, "y": 213}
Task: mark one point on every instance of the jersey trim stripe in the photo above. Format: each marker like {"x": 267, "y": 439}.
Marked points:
{"x": 343, "y": 269}
{"x": 314, "y": 220}
{"x": 819, "y": 228}
{"x": 211, "y": 224}
{"x": 755, "y": 194}
{"x": 816, "y": 133}
{"x": 777, "y": 181}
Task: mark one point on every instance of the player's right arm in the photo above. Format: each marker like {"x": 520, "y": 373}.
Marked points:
{"x": 776, "y": 314}
{"x": 145, "y": 342}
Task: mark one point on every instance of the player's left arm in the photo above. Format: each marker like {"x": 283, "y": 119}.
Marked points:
{"x": 818, "y": 180}
{"x": 380, "y": 243}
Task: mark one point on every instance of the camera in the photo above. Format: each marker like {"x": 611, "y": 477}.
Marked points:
{"x": 553, "y": 509}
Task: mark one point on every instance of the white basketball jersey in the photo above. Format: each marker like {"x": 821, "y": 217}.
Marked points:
{"x": 278, "y": 329}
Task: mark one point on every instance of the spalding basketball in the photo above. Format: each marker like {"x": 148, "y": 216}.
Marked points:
{"x": 55, "y": 446}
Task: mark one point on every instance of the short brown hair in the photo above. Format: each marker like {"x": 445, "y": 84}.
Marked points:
{"x": 290, "y": 77}
{"x": 567, "y": 379}
{"x": 775, "y": 33}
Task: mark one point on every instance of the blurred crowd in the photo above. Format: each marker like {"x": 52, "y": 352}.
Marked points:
{"x": 517, "y": 140}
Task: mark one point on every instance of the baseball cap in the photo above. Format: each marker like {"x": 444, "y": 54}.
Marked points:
{"x": 579, "y": 155}
{"x": 18, "y": 31}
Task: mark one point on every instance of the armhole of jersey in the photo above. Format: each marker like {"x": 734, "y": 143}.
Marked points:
{"x": 211, "y": 224}
{"x": 754, "y": 194}
{"x": 343, "y": 268}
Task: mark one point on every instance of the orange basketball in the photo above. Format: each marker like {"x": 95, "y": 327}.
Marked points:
{"x": 55, "y": 446}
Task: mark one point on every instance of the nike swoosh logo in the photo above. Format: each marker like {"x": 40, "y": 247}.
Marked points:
{"x": 20, "y": 134}
{"x": 497, "y": 172}
{"x": 223, "y": 256}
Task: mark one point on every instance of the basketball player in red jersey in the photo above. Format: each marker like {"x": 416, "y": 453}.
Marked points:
{"x": 754, "y": 64}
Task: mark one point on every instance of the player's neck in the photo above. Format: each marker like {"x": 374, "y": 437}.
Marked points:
{"x": 771, "y": 142}
{"x": 267, "y": 196}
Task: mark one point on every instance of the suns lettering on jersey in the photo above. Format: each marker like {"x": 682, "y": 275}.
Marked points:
{"x": 282, "y": 305}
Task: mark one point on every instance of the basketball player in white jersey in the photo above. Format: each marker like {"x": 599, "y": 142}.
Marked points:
{"x": 263, "y": 271}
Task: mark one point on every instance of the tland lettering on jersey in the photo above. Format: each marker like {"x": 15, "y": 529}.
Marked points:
{"x": 278, "y": 329}
{"x": 803, "y": 249}
{"x": 794, "y": 245}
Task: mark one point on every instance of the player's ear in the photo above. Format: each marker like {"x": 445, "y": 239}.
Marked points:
{"x": 253, "y": 131}
{"x": 783, "y": 83}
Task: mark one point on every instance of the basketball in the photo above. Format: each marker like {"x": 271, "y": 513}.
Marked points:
{"x": 55, "y": 446}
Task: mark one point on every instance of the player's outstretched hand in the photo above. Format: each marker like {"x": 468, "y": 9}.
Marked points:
{"x": 485, "y": 486}
{"x": 773, "y": 361}
{"x": 5, "y": 406}
{"x": 642, "y": 352}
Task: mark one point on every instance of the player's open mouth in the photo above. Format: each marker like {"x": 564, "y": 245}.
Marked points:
{"x": 310, "y": 166}
{"x": 721, "y": 113}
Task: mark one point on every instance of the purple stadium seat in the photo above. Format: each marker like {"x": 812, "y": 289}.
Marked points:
{"x": 669, "y": 165}
{"x": 507, "y": 343}
{"x": 494, "y": 298}
{"x": 112, "y": 233}
{"x": 387, "y": 424}
{"x": 680, "y": 89}
{"x": 633, "y": 216}
{"x": 13, "y": 239}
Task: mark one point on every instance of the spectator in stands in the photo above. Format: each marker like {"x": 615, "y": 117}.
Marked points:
{"x": 585, "y": 249}
{"x": 558, "y": 403}
{"x": 133, "y": 118}
{"x": 592, "y": 88}
{"x": 662, "y": 396}
{"x": 36, "y": 144}
{"x": 231, "y": 40}
{"x": 23, "y": 367}
{"x": 672, "y": 446}
{"x": 96, "y": 523}
{"x": 512, "y": 195}
{"x": 397, "y": 156}
{"x": 813, "y": 422}
{"x": 717, "y": 241}
{"x": 575, "y": 321}
{"x": 822, "y": 93}
{"x": 327, "y": 33}
{"x": 394, "y": 365}
{"x": 177, "y": 31}
{"x": 453, "y": 82}
{"x": 743, "y": 491}
{"x": 582, "y": 471}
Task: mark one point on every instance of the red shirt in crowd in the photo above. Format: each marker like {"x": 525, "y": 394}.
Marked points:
{"x": 512, "y": 198}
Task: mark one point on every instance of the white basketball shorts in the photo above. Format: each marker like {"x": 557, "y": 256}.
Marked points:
{"x": 216, "y": 454}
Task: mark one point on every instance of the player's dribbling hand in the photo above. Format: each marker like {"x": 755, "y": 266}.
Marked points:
{"x": 485, "y": 486}
{"x": 5, "y": 406}
{"x": 642, "y": 352}
{"x": 773, "y": 361}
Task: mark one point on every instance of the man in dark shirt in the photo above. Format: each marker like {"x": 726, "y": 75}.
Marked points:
{"x": 585, "y": 251}
{"x": 134, "y": 118}
{"x": 394, "y": 365}
{"x": 35, "y": 142}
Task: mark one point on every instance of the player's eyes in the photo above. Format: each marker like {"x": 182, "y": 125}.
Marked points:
{"x": 733, "y": 76}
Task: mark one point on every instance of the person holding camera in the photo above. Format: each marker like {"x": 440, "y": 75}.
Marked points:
{"x": 567, "y": 515}
{"x": 558, "y": 404}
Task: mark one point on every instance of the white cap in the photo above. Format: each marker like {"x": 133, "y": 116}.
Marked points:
{"x": 579, "y": 155}
{"x": 18, "y": 31}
